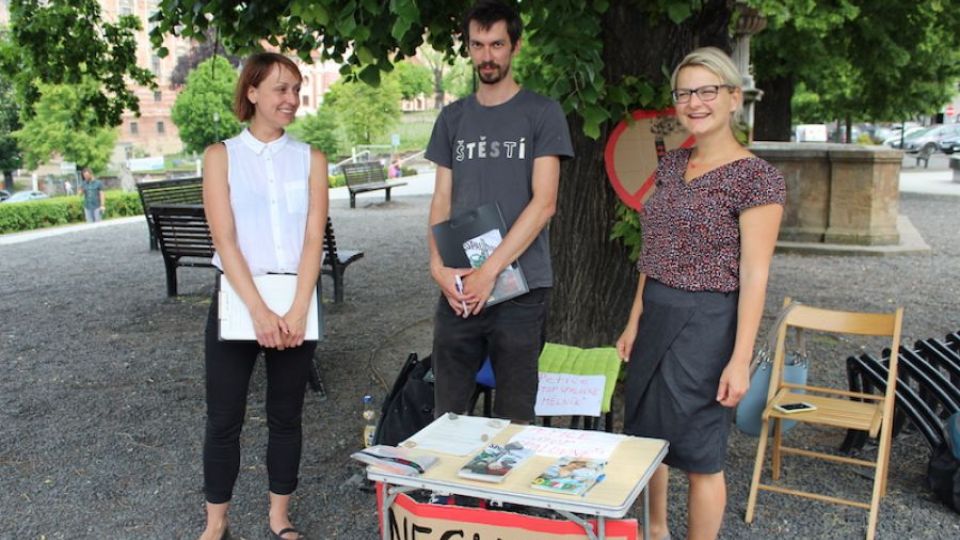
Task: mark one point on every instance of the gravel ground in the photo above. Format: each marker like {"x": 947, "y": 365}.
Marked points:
{"x": 101, "y": 402}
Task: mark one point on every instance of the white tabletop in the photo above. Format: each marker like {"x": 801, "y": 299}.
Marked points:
{"x": 627, "y": 473}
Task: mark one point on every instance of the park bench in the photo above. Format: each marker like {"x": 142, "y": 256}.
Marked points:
{"x": 184, "y": 239}
{"x": 366, "y": 176}
{"x": 336, "y": 261}
{"x": 178, "y": 191}
{"x": 183, "y": 236}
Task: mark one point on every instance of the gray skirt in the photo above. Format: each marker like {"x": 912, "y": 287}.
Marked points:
{"x": 683, "y": 343}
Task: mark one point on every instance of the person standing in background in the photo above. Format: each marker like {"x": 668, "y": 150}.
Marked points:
{"x": 94, "y": 199}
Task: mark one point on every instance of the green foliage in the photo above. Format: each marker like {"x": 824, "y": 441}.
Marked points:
{"x": 365, "y": 112}
{"x": 203, "y": 111}
{"x": 66, "y": 42}
{"x": 31, "y": 215}
{"x": 337, "y": 180}
{"x": 319, "y": 130}
{"x": 562, "y": 58}
{"x": 10, "y": 158}
{"x": 201, "y": 51}
{"x": 123, "y": 204}
{"x": 561, "y": 55}
{"x": 364, "y": 35}
{"x": 459, "y": 78}
{"x": 414, "y": 79}
{"x": 64, "y": 126}
{"x": 807, "y": 107}
{"x": 627, "y": 229}
{"x": 861, "y": 59}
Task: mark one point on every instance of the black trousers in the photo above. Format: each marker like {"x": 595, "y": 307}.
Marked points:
{"x": 229, "y": 365}
{"x": 512, "y": 333}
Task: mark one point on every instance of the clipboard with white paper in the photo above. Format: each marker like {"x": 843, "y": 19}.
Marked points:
{"x": 468, "y": 239}
{"x": 278, "y": 292}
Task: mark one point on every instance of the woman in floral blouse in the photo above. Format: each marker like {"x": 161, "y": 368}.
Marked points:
{"x": 709, "y": 232}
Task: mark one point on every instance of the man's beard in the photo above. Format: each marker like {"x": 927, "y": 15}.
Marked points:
{"x": 493, "y": 77}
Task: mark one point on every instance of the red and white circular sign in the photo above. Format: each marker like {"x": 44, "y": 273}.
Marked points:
{"x": 634, "y": 148}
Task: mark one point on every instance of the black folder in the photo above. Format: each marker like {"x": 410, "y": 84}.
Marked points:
{"x": 468, "y": 239}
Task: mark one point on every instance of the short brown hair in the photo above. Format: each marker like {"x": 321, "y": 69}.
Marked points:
{"x": 255, "y": 69}
{"x": 489, "y": 12}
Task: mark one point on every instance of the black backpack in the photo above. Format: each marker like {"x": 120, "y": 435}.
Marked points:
{"x": 408, "y": 407}
{"x": 943, "y": 477}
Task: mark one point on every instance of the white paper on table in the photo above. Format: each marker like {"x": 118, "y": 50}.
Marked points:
{"x": 456, "y": 434}
{"x": 578, "y": 443}
{"x": 561, "y": 394}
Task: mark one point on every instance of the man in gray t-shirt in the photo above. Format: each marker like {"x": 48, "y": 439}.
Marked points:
{"x": 502, "y": 144}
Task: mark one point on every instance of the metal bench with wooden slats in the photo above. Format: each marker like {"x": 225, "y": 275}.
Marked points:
{"x": 184, "y": 239}
{"x": 177, "y": 191}
{"x": 366, "y": 176}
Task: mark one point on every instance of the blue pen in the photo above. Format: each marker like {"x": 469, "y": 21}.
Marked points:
{"x": 600, "y": 478}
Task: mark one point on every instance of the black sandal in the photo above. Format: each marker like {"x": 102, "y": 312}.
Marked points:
{"x": 279, "y": 535}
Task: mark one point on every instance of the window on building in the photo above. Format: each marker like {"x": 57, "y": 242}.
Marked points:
{"x": 161, "y": 129}
{"x": 158, "y": 96}
{"x": 305, "y": 101}
{"x": 155, "y": 65}
{"x": 126, "y": 7}
{"x": 134, "y": 128}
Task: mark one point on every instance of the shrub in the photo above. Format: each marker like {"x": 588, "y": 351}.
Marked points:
{"x": 31, "y": 215}
{"x": 337, "y": 180}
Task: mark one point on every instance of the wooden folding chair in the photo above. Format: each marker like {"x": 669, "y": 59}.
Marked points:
{"x": 837, "y": 408}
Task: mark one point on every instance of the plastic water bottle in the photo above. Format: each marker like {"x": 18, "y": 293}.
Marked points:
{"x": 369, "y": 420}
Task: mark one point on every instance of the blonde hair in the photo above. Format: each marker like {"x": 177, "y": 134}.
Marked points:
{"x": 720, "y": 64}
{"x": 714, "y": 60}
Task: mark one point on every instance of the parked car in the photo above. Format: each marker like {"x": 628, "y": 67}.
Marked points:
{"x": 4, "y": 195}
{"x": 894, "y": 140}
{"x": 22, "y": 196}
{"x": 883, "y": 134}
{"x": 951, "y": 145}
{"x": 928, "y": 141}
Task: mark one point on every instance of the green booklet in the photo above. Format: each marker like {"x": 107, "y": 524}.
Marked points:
{"x": 570, "y": 475}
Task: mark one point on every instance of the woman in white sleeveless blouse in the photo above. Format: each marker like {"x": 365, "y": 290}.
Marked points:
{"x": 265, "y": 196}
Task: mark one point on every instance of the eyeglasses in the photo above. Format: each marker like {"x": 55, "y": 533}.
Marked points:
{"x": 705, "y": 93}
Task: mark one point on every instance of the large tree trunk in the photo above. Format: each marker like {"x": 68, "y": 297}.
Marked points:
{"x": 773, "y": 114}
{"x": 8, "y": 181}
{"x": 594, "y": 280}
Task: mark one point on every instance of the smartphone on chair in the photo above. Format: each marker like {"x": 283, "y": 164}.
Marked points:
{"x": 790, "y": 408}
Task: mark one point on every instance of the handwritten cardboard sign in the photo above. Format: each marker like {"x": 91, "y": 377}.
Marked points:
{"x": 564, "y": 394}
{"x": 410, "y": 520}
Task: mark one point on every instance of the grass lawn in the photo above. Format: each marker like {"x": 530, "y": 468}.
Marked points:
{"x": 414, "y": 129}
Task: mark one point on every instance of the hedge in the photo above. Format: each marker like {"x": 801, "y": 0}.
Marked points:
{"x": 25, "y": 216}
